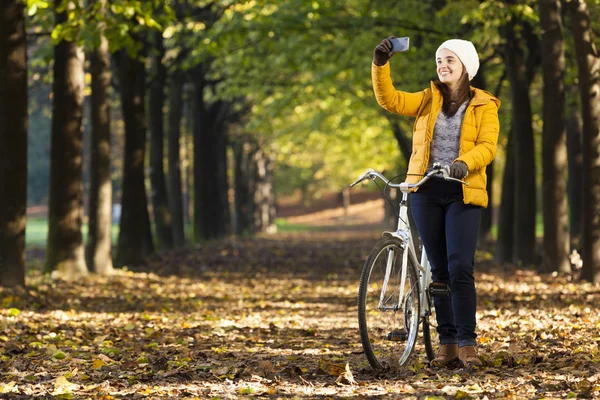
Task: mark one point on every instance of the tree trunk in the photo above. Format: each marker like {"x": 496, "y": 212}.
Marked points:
{"x": 345, "y": 201}
{"x": 523, "y": 147}
{"x": 160, "y": 206}
{"x": 99, "y": 245}
{"x": 554, "y": 148}
{"x": 13, "y": 142}
{"x": 244, "y": 176}
{"x": 404, "y": 143}
{"x": 390, "y": 216}
{"x": 391, "y": 210}
{"x": 264, "y": 198}
{"x": 188, "y": 176}
{"x": 222, "y": 110}
{"x": 506, "y": 218}
{"x": 134, "y": 227}
{"x": 211, "y": 206}
{"x": 187, "y": 144}
{"x": 175, "y": 189}
{"x": 64, "y": 250}
{"x": 575, "y": 182}
{"x": 588, "y": 66}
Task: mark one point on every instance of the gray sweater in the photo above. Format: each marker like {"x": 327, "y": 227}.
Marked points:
{"x": 445, "y": 144}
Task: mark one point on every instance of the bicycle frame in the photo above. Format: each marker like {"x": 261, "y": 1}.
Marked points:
{"x": 404, "y": 233}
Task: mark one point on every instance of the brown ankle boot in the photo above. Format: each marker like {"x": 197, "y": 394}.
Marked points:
{"x": 468, "y": 357}
{"x": 446, "y": 354}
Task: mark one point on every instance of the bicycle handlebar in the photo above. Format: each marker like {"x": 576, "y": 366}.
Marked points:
{"x": 406, "y": 187}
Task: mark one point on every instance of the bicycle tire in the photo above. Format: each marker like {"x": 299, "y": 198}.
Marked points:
{"x": 430, "y": 333}
{"x": 388, "y": 334}
{"x": 427, "y": 340}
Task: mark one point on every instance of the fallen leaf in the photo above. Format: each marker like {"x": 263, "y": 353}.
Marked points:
{"x": 346, "y": 378}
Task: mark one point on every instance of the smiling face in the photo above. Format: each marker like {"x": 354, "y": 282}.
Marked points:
{"x": 449, "y": 68}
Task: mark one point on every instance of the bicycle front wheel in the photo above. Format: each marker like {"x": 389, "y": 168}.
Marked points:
{"x": 388, "y": 309}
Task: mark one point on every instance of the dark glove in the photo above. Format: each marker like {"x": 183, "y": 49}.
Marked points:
{"x": 458, "y": 170}
{"x": 382, "y": 52}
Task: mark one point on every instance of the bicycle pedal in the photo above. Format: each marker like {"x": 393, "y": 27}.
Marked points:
{"x": 439, "y": 289}
{"x": 397, "y": 335}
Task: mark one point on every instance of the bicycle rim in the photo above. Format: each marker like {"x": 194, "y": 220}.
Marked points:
{"x": 388, "y": 324}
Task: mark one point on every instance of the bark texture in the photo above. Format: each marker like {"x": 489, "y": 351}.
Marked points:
{"x": 135, "y": 237}
{"x": 160, "y": 205}
{"x": 588, "y": 66}
{"x": 65, "y": 249}
{"x": 13, "y": 142}
{"x": 554, "y": 145}
{"x": 175, "y": 191}
{"x": 523, "y": 145}
{"x": 99, "y": 244}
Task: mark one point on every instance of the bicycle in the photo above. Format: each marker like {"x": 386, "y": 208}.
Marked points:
{"x": 392, "y": 301}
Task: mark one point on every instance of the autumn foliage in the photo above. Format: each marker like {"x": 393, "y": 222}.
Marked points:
{"x": 277, "y": 317}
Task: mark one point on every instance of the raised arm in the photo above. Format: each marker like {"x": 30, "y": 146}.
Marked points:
{"x": 395, "y": 101}
{"x": 387, "y": 96}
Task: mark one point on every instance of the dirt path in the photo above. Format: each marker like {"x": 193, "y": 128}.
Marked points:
{"x": 276, "y": 316}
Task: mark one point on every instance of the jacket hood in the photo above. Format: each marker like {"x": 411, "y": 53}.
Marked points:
{"x": 482, "y": 97}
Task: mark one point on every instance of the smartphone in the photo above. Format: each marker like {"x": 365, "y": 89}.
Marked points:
{"x": 399, "y": 44}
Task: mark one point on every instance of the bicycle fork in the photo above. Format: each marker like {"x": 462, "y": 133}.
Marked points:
{"x": 404, "y": 228}
{"x": 389, "y": 265}
{"x": 424, "y": 282}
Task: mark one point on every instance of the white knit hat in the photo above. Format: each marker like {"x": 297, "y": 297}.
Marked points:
{"x": 465, "y": 51}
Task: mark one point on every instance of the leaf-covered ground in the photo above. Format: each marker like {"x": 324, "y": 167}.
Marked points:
{"x": 277, "y": 317}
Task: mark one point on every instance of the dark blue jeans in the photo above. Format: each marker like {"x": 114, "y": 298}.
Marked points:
{"x": 448, "y": 228}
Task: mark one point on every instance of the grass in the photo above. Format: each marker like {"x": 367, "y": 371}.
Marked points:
{"x": 37, "y": 232}
{"x": 285, "y": 226}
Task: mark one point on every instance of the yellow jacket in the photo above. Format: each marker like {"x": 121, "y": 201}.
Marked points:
{"x": 478, "y": 137}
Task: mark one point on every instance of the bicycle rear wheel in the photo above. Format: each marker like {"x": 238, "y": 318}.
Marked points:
{"x": 388, "y": 320}
{"x": 430, "y": 334}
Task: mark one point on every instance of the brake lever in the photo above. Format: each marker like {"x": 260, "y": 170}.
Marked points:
{"x": 362, "y": 177}
{"x": 445, "y": 170}
{"x": 457, "y": 180}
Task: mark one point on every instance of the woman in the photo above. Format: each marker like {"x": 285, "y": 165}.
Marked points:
{"x": 456, "y": 125}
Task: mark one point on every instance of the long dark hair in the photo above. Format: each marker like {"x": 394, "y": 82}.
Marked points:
{"x": 461, "y": 94}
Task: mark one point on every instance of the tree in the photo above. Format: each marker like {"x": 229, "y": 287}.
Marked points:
{"x": 135, "y": 237}
{"x": 244, "y": 149}
{"x": 211, "y": 206}
{"x": 174, "y": 182}
{"x": 13, "y": 142}
{"x": 99, "y": 245}
{"x": 297, "y": 94}
{"x": 518, "y": 34}
{"x": 64, "y": 249}
{"x": 588, "y": 67}
{"x": 554, "y": 150}
{"x": 264, "y": 196}
{"x": 160, "y": 204}
{"x": 504, "y": 249}
{"x": 575, "y": 181}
